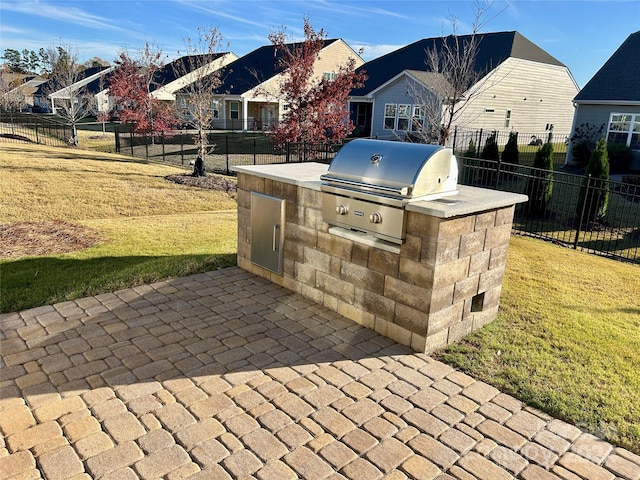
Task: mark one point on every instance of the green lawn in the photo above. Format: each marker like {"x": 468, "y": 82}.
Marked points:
{"x": 150, "y": 228}
{"x": 567, "y": 339}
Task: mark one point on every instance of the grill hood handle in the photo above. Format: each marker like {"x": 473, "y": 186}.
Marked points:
{"x": 399, "y": 191}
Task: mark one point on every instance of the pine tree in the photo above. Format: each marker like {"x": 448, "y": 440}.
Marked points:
{"x": 490, "y": 150}
{"x": 471, "y": 150}
{"x": 540, "y": 184}
{"x": 510, "y": 154}
{"x": 593, "y": 200}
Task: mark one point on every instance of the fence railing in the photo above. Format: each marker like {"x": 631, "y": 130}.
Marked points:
{"x": 226, "y": 150}
{"x": 561, "y": 219}
{"x": 21, "y": 127}
{"x": 528, "y": 143}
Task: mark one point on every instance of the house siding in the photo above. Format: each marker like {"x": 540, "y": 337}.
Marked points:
{"x": 400, "y": 92}
{"x": 599, "y": 114}
{"x": 536, "y": 94}
{"x": 548, "y": 90}
{"x": 330, "y": 59}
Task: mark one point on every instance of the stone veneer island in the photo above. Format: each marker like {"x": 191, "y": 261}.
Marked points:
{"x": 441, "y": 284}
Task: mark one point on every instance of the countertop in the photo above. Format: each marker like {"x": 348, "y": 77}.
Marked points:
{"x": 468, "y": 200}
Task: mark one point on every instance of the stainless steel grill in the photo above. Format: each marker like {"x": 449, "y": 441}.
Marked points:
{"x": 370, "y": 182}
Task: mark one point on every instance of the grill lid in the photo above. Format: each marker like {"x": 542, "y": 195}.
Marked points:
{"x": 399, "y": 169}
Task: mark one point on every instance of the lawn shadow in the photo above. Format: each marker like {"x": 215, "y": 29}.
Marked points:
{"x": 45, "y": 280}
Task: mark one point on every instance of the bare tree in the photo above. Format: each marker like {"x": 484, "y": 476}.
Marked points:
{"x": 69, "y": 100}
{"x": 203, "y": 77}
{"x": 12, "y": 96}
{"x": 452, "y": 63}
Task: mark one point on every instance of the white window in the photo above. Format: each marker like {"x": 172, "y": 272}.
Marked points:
{"x": 507, "y": 118}
{"x": 390, "y": 116}
{"x": 403, "y": 117}
{"x": 234, "y": 110}
{"x": 215, "y": 109}
{"x": 624, "y": 128}
{"x": 417, "y": 119}
{"x": 329, "y": 76}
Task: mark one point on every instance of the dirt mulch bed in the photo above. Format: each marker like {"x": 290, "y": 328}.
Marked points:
{"x": 51, "y": 237}
{"x": 211, "y": 182}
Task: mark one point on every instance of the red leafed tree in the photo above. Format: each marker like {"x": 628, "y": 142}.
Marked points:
{"x": 316, "y": 107}
{"x": 131, "y": 85}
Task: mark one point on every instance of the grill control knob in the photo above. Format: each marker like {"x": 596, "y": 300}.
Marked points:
{"x": 375, "y": 218}
{"x": 342, "y": 209}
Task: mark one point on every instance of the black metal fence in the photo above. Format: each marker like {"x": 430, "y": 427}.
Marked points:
{"x": 528, "y": 143}
{"x": 562, "y": 219}
{"x": 616, "y": 235}
{"x": 26, "y": 127}
{"x": 226, "y": 149}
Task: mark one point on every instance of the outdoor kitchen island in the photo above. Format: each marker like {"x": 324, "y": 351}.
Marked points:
{"x": 441, "y": 283}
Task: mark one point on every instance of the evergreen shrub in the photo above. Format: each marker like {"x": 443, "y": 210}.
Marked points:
{"x": 540, "y": 184}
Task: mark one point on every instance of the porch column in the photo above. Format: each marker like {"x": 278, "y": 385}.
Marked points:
{"x": 245, "y": 114}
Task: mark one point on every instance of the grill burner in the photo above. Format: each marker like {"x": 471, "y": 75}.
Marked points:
{"x": 369, "y": 183}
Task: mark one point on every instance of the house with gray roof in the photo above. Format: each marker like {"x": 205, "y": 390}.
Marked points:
{"x": 47, "y": 93}
{"x": 182, "y": 71}
{"x": 249, "y": 97}
{"x": 521, "y": 88}
{"x": 612, "y": 99}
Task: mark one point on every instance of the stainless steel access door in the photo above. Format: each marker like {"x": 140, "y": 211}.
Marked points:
{"x": 267, "y": 231}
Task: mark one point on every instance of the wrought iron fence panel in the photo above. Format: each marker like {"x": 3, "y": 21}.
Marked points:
{"x": 27, "y": 127}
{"x": 528, "y": 142}
{"x": 563, "y": 220}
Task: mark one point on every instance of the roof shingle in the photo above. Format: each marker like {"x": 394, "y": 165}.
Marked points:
{"x": 494, "y": 48}
{"x": 619, "y": 78}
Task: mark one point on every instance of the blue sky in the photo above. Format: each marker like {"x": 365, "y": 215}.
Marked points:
{"x": 581, "y": 34}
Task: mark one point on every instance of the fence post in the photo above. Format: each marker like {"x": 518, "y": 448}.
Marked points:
{"x": 37, "y": 136}
{"x": 226, "y": 147}
{"x": 182, "y": 147}
{"x": 584, "y": 205}
{"x": 131, "y": 140}
{"x": 455, "y": 138}
{"x": 162, "y": 138}
{"x": 287, "y": 152}
{"x": 146, "y": 147}
{"x": 254, "y": 150}
{"x": 497, "y": 173}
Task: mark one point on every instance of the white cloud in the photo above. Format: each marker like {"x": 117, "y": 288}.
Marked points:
{"x": 369, "y": 52}
{"x": 67, "y": 14}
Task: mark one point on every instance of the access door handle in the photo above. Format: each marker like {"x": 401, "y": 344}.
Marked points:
{"x": 274, "y": 244}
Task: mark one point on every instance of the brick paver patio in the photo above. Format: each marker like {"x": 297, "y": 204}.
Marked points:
{"x": 225, "y": 375}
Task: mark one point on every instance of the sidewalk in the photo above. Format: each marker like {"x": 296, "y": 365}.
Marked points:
{"x": 225, "y": 375}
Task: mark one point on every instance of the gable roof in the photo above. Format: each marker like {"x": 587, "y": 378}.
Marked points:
{"x": 617, "y": 80}
{"x": 434, "y": 81}
{"x": 44, "y": 88}
{"x": 254, "y": 68}
{"x": 493, "y": 49}
{"x": 181, "y": 66}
